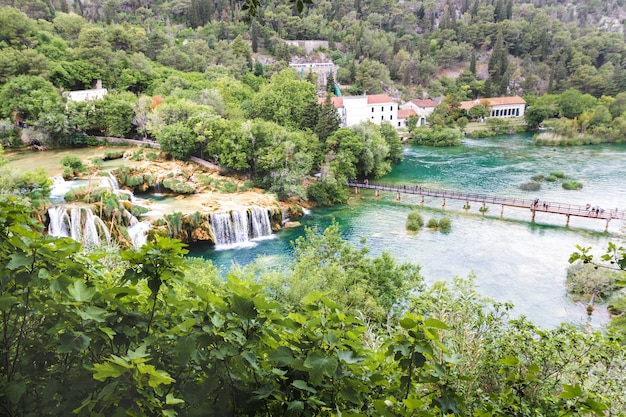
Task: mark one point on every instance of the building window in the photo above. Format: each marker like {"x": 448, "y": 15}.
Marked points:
{"x": 391, "y": 108}
{"x": 382, "y": 117}
{"x": 391, "y": 117}
{"x": 382, "y": 108}
{"x": 517, "y": 112}
{"x": 372, "y": 110}
{"x": 398, "y": 124}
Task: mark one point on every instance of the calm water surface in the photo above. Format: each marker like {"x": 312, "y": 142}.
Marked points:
{"x": 513, "y": 259}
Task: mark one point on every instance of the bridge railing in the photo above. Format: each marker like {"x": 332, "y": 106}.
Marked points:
{"x": 551, "y": 207}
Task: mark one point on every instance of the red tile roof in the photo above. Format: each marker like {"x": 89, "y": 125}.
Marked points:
{"x": 337, "y": 101}
{"x": 493, "y": 101}
{"x": 424, "y": 103}
{"x": 403, "y": 114}
{"x": 379, "y": 99}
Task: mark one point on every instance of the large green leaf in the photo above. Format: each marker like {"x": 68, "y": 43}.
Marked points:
{"x": 244, "y": 307}
{"x": 302, "y": 385}
{"x": 282, "y": 355}
{"x": 19, "y": 260}
{"x": 80, "y": 292}
{"x": 73, "y": 342}
{"x": 320, "y": 365}
{"x": 6, "y": 301}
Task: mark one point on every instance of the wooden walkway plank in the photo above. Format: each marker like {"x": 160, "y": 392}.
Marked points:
{"x": 534, "y": 205}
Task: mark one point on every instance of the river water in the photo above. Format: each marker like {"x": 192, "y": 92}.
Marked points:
{"x": 513, "y": 258}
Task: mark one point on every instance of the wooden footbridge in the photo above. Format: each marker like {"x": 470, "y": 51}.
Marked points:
{"x": 534, "y": 205}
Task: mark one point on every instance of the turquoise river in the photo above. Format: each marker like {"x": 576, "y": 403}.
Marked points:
{"x": 512, "y": 258}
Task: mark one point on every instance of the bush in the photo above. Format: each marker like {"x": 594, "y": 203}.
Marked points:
{"x": 530, "y": 186}
{"x": 151, "y": 156}
{"x": 433, "y": 223}
{"x": 226, "y": 186}
{"x": 327, "y": 193}
{"x": 415, "y": 221}
{"x": 445, "y": 224}
{"x": 177, "y": 186}
{"x": 247, "y": 185}
{"x": 438, "y": 137}
{"x": 68, "y": 173}
{"x": 110, "y": 155}
{"x": 558, "y": 174}
{"x": 572, "y": 185}
{"x": 73, "y": 162}
{"x": 551, "y": 178}
{"x": 538, "y": 177}
{"x": 584, "y": 280}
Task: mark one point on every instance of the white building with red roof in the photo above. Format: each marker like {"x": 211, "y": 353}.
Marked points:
{"x": 377, "y": 108}
{"x": 422, "y": 109}
{"x": 502, "y": 107}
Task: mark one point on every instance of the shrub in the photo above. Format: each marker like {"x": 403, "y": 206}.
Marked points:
{"x": 445, "y": 223}
{"x": 138, "y": 210}
{"x": 73, "y": 162}
{"x": 177, "y": 186}
{"x": 228, "y": 186}
{"x": 138, "y": 155}
{"x": 558, "y": 174}
{"x": 247, "y": 185}
{"x": 538, "y": 177}
{"x": 110, "y": 155}
{"x": 433, "y": 223}
{"x": 326, "y": 193}
{"x": 572, "y": 185}
{"x": 551, "y": 178}
{"x": 415, "y": 221}
{"x": 530, "y": 186}
{"x": 205, "y": 179}
{"x": 68, "y": 173}
{"x": 151, "y": 156}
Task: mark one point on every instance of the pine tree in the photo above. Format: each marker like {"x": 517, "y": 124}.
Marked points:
{"x": 509, "y": 9}
{"x": 498, "y": 63}
{"x": 328, "y": 120}
{"x": 472, "y": 66}
{"x": 499, "y": 12}
{"x": 330, "y": 84}
{"x": 254, "y": 33}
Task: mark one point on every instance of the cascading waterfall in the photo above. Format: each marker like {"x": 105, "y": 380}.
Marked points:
{"x": 81, "y": 225}
{"x": 261, "y": 225}
{"x": 238, "y": 227}
{"x": 58, "y": 222}
{"x": 115, "y": 186}
{"x": 138, "y": 232}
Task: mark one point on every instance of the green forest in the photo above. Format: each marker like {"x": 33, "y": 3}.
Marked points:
{"x": 151, "y": 332}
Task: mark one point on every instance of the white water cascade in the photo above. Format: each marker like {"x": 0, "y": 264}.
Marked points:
{"x": 237, "y": 228}
{"x": 79, "y": 223}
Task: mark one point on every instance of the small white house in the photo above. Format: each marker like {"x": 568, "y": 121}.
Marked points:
{"x": 422, "y": 109}
{"x": 377, "y": 108}
{"x": 86, "y": 95}
{"x": 403, "y": 115}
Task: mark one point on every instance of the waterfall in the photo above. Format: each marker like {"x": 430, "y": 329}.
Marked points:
{"x": 261, "y": 225}
{"x": 81, "y": 225}
{"x": 58, "y": 222}
{"x": 138, "y": 233}
{"x": 113, "y": 181}
{"x": 237, "y": 228}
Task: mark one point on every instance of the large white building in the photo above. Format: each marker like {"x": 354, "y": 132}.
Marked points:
{"x": 377, "y": 108}
{"x": 501, "y": 107}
